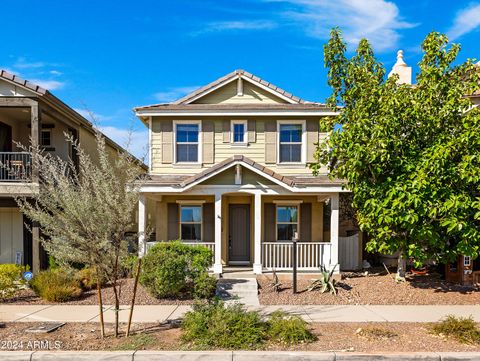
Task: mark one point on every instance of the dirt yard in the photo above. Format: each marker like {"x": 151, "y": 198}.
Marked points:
{"x": 349, "y": 337}
{"x": 28, "y": 297}
{"x": 379, "y": 289}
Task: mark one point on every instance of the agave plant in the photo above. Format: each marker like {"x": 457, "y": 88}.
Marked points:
{"x": 325, "y": 282}
{"x": 275, "y": 282}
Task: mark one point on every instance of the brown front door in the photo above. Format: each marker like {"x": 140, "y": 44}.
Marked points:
{"x": 239, "y": 234}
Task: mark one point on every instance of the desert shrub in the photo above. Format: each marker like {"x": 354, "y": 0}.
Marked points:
{"x": 10, "y": 279}
{"x": 57, "y": 285}
{"x": 169, "y": 268}
{"x": 215, "y": 325}
{"x": 375, "y": 333}
{"x": 128, "y": 265}
{"x": 325, "y": 282}
{"x": 463, "y": 329}
{"x": 204, "y": 286}
{"x": 286, "y": 329}
{"x": 88, "y": 278}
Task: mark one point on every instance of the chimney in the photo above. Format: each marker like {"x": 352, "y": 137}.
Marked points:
{"x": 403, "y": 71}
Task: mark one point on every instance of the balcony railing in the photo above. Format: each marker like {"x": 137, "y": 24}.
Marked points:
{"x": 15, "y": 166}
{"x": 310, "y": 255}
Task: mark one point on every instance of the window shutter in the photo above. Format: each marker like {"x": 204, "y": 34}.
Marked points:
{"x": 270, "y": 142}
{"x": 306, "y": 222}
{"x": 208, "y": 140}
{"x": 269, "y": 222}
{"x": 226, "y": 131}
{"x": 173, "y": 224}
{"x": 208, "y": 223}
{"x": 312, "y": 138}
{"x": 252, "y": 134}
{"x": 167, "y": 141}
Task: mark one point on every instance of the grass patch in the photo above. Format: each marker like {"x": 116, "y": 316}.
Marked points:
{"x": 137, "y": 342}
{"x": 462, "y": 329}
{"x": 376, "y": 333}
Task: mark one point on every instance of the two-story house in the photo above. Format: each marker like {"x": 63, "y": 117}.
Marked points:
{"x": 229, "y": 170}
{"x": 30, "y": 113}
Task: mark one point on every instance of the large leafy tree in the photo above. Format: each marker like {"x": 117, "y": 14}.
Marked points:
{"x": 409, "y": 153}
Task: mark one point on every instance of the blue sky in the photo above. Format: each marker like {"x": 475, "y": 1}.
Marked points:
{"x": 109, "y": 56}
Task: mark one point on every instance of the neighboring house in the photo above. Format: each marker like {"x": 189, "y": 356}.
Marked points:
{"x": 28, "y": 111}
{"x": 229, "y": 170}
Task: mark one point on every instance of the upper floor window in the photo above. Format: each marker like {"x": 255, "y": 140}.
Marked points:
{"x": 290, "y": 142}
{"x": 239, "y": 131}
{"x": 46, "y": 138}
{"x": 187, "y": 142}
{"x": 287, "y": 222}
{"x": 191, "y": 223}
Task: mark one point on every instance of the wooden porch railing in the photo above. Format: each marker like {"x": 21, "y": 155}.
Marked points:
{"x": 15, "y": 166}
{"x": 310, "y": 255}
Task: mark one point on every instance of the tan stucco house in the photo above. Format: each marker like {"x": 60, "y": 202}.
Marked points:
{"x": 27, "y": 111}
{"x": 229, "y": 171}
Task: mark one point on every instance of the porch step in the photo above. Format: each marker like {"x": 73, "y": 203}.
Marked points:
{"x": 241, "y": 290}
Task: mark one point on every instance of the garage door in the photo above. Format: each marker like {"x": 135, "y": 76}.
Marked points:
{"x": 11, "y": 234}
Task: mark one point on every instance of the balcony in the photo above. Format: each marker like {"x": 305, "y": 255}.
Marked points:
{"x": 15, "y": 167}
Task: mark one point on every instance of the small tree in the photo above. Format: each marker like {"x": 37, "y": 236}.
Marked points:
{"x": 409, "y": 154}
{"x": 86, "y": 209}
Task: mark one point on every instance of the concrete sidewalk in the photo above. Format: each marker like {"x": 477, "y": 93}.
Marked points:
{"x": 159, "y": 313}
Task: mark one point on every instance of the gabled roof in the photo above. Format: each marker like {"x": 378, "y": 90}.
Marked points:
{"x": 25, "y": 83}
{"x": 187, "y": 181}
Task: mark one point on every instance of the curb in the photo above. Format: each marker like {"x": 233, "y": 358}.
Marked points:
{"x": 231, "y": 356}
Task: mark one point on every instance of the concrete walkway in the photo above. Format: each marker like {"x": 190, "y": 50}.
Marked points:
{"x": 160, "y": 313}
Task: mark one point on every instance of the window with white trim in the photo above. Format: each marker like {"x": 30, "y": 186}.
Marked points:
{"x": 191, "y": 222}
{"x": 238, "y": 132}
{"x": 187, "y": 142}
{"x": 290, "y": 142}
{"x": 287, "y": 222}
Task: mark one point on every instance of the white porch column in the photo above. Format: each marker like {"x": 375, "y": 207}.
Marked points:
{"x": 257, "y": 234}
{"x": 334, "y": 224}
{"x": 217, "y": 266}
{"x": 142, "y": 246}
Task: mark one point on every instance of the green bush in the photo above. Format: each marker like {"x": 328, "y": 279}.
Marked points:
{"x": 88, "y": 278}
{"x": 10, "y": 279}
{"x": 172, "y": 268}
{"x": 128, "y": 265}
{"x": 289, "y": 330}
{"x": 204, "y": 286}
{"x": 215, "y": 325}
{"x": 462, "y": 329}
{"x": 57, "y": 285}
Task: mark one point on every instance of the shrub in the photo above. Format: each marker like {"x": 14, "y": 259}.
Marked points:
{"x": 88, "y": 278}
{"x": 463, "y": 329}
{"x": 204, "y": 286}
{"x": 57, "y": 285}
{"x": 375, "y": 333}
{"x": 170, "y": 267}
{"x": 128, "y": 265}
{"x": 10, "y": 279}
{"x": 215, "y": 325}
{"x": 289, "y": 330}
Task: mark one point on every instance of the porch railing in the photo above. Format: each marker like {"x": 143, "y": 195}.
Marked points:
{"x": 310, "y": 255}
{"x": 209, "y": 245}
{"x": 15, "y": 166}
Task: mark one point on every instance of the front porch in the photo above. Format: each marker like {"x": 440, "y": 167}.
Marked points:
{"x": 249, "y": 228}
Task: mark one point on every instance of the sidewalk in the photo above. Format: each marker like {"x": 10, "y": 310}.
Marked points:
{"x": 159, "y": 313}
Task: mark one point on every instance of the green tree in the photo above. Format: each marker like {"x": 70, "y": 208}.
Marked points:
{"x": 410, "y": 154}
{"x": 86, "y": 209}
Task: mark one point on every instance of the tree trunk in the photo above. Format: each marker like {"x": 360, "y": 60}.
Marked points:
{"x": 115, "y": 292}
{"x": 100, "y": 304}
{"x": 401, "y": 267}
{"x": 133, "y": 297}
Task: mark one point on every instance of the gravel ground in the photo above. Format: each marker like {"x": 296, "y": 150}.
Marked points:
{"x": 372, "y": 290}
{"x": 28, "y": 297}
{"x": 401, "y": 337}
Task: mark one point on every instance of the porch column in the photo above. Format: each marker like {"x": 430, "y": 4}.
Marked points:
{"x": 142, "y": 246}
{"x": 334, "y": 224}
{"x": 217, "y": 266}
{"x": 257, "y": 234}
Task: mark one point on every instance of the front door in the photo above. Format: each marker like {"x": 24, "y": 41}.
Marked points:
{"x": 5, "y": 137}
{"x": 239, "y": 234}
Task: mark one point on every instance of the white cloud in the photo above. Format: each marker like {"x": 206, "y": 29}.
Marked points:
{"x": 92, "y": 116}
{"x": 22, "y": 63}
{"x": 174, "y": 93}
{"x": 465, "y": 21}
{"x": 377, "y": 20}
{"x": 135, "y": 141}
{"x": 48, "y": 84}
{"x": 238, "y": 25}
